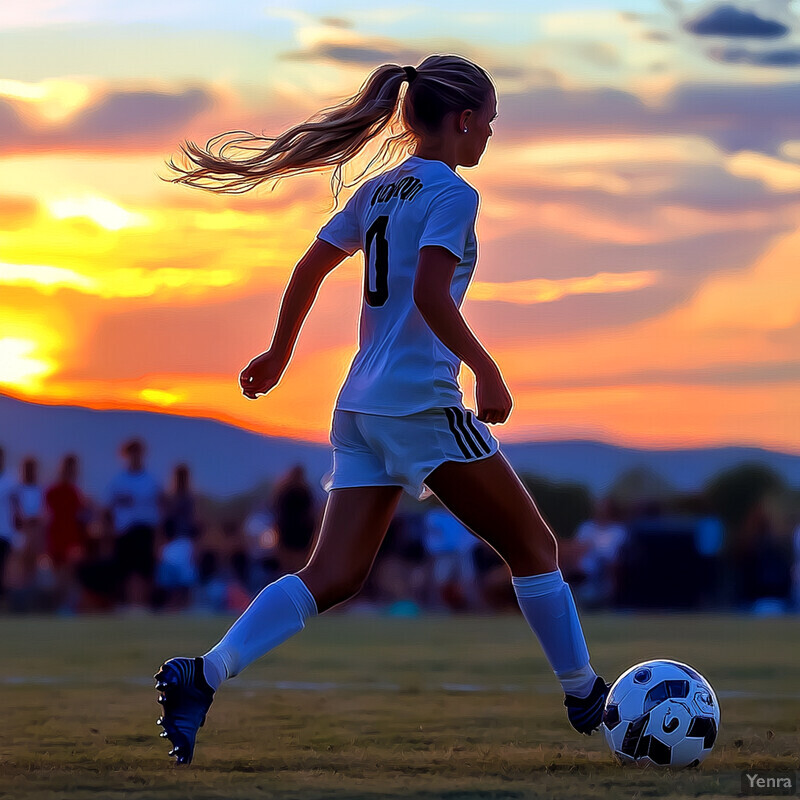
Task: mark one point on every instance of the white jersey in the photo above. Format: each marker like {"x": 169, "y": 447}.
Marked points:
{"x": 401, "y": 366}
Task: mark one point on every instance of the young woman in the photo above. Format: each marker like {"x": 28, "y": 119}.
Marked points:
{"x": 399, "y": 420}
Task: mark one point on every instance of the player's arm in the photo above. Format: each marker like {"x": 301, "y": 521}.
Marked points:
{"x": 265, "y": 370}
{"x": 432, "y": 297}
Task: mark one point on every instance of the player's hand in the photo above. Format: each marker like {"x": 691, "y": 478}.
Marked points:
{"x": 493, "y": 398}
{"x": 262, "y": 374}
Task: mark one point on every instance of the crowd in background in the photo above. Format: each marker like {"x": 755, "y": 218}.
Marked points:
{"x": 146, "y": 547}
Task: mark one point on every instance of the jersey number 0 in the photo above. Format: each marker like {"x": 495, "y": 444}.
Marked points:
{"x": 377, "y": 263}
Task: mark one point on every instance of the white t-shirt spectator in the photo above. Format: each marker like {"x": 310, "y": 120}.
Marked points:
{"x": 133, "y": 498}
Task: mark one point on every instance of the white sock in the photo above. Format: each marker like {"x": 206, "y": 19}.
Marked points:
{"x": 277, "y": 613}
{"x": 549, "y": 608}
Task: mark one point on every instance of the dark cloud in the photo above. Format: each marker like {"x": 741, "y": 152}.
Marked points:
{"x": 551, "y": 111}
{"x": 12, "y": 126}
{"x": 709, "y": 187}
{"x": 787, "y": 57}
{"x": 124, "y": 115}
{"x": 369, "y": 55}
{"x": 657, "y": 36}
{"x": 734, "y": 116}
{"x": 713, "y": 375}
{"x": 336, "y": 22}
{"x": 377, "y": 52}
{"x": 728, "y": 20}
{"x": 739, "y": 117}
{"x": 135, "y": 119}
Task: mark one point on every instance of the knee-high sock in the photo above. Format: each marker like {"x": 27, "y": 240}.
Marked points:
{"x": 278, "y": 612}
{"x": 549, "y": 608}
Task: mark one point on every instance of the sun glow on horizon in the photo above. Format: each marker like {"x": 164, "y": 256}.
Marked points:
{"x": 159, "y": 397}
{"x": 21, "y": 365}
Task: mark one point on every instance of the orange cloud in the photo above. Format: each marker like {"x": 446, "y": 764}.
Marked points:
{"x": 539, "y": 290}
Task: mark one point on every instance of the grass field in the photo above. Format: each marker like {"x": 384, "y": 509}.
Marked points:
{"x": 359, "y": 708}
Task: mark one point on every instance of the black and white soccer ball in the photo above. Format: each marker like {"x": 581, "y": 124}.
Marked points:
{"x": 661, "y": 713}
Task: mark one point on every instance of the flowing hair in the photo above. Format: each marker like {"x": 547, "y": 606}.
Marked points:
{"x": 334, "y": 136}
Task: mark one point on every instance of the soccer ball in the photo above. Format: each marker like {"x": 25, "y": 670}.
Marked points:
{"x": 661, "y": 713}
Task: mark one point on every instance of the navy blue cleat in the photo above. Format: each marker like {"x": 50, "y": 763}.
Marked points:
{"x": 586, "y": 713}
{"x": 185, "y": 698}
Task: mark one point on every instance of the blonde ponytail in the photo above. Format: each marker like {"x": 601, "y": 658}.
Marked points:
{"x": 441, "y": 83}
{"x": 331, "y": 140}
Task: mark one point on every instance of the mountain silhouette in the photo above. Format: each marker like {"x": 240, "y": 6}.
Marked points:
{"x": 226, "y": 460}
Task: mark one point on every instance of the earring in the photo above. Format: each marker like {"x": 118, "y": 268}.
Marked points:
{"x": 465, "y": 130}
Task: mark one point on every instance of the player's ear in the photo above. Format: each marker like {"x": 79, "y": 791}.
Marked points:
{"x": 464, "y": 118}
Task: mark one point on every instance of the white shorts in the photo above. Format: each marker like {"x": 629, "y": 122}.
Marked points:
{"x": 377, "y": 450}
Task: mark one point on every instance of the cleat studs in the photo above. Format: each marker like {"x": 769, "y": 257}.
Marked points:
{"x": 160, "y": 721}
{"x": 163, "y": 734}
{"x": 162, "y": 698}
{"x": 161, "y": 685}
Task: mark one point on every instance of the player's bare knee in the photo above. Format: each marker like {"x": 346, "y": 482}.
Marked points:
{"x": 533, "y": 554}
{"x": 330, "y": 590}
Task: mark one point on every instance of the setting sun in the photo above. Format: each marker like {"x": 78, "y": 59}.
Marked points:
{"x": 20, "y": 366}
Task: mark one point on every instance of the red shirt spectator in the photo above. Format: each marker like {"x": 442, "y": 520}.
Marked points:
{"x": 66, "y": 527}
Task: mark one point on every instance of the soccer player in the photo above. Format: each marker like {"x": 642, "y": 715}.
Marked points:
{"x": 399, "y": 420}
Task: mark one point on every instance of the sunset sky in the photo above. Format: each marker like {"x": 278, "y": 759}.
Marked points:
{"x": 639, "y": 227}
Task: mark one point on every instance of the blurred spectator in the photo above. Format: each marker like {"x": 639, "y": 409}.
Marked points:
{"x": 494, "y": 580}
{"x": 179, "y": 506}
{"x": 97, "y": 573}
{"x": 236, "y": 567}
{"x": 30, "y": 523}
{"x": 7, "y": 526}
{"x": 295, "y": 519}
{"x": 210, "y": 595}
{"x": 261, "y": 543}
{"x": 134, "y": 499}
{"x": 176, "y": 572}
{"x": 764, "y": 565}
{"x": 66, "y": 533}
{"x": 796, "y": 567}
{"x": 237, "y": 597}
{"x": 598, "y": 542}
{"x": 450, "y": 547}
{"x": 398, "y": 576}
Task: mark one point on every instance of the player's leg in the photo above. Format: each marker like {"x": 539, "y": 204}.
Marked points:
{"x": 353, "y": 527}
{"x": 488, "y": 497}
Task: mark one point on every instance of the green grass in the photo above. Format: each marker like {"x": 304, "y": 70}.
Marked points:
{"x": 79, "y": 710}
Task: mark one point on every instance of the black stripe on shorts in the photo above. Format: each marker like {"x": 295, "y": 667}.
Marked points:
{"x": 451, "y": 421}
{"x": 473, "y": 445}
{"x": 481, "y": 441}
